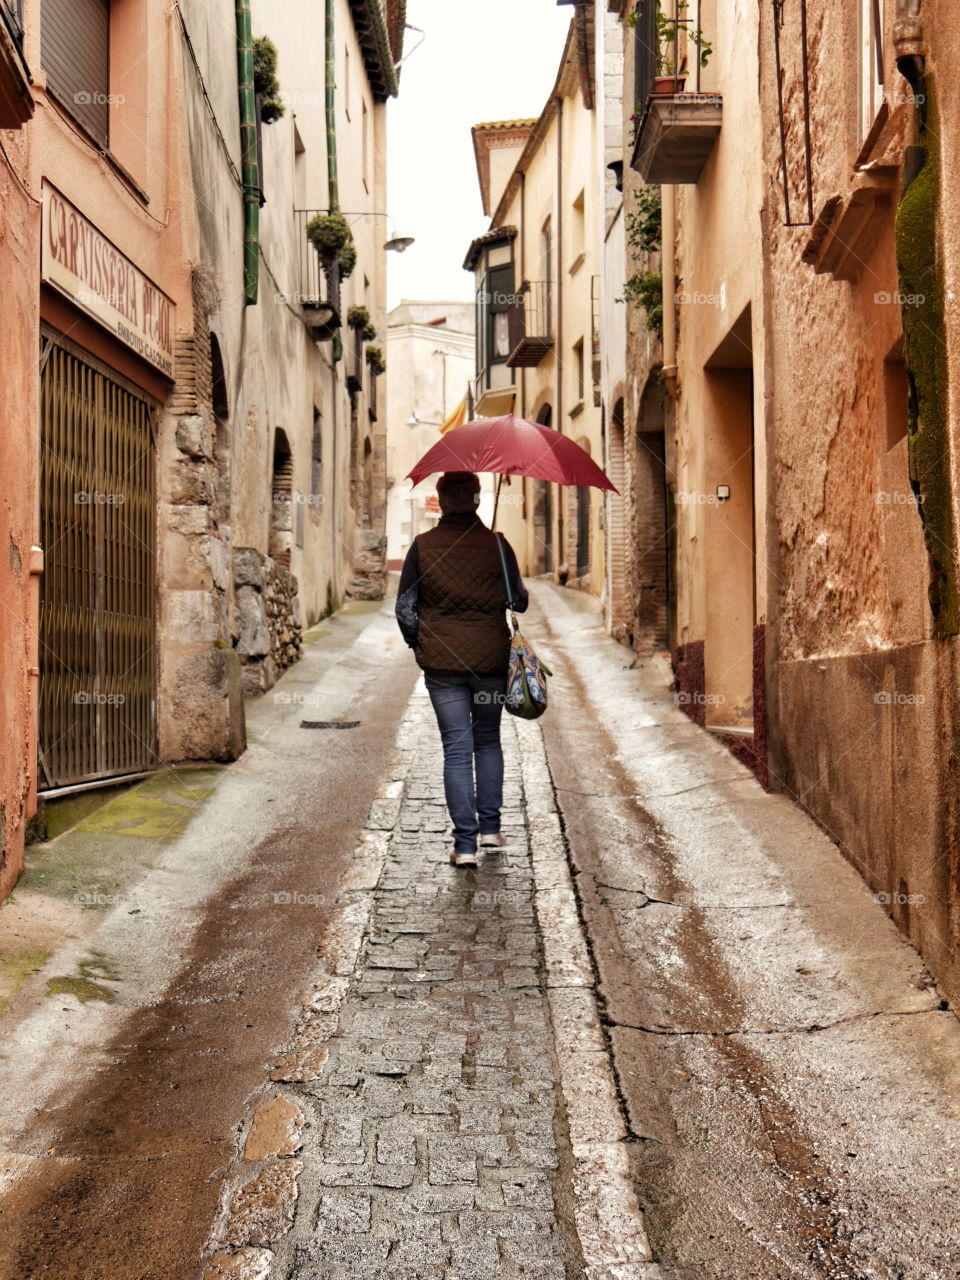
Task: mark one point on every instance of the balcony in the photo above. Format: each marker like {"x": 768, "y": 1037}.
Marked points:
{"x": 675, "y": 136}
{"x": 677, "y": 129}
{"x": 529, "y": 325}
{"x": 16, "y": 100}
{"x": 319, "y": 290}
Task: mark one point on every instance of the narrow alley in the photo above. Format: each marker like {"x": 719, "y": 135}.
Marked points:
{"x": 667, "y": 1021}
{"x": 479, "y": 640}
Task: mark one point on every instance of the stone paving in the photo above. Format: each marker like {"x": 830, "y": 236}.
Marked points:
{"x": 418, "y": 1126}
{"x": 442, "y": 1149}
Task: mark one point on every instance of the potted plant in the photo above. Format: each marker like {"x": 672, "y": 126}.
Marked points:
{"x": 358, "y": 317}
{"x": 329, "y": 233}
{"x": 369, "y": 332}
{"x": 347, "y": 259}
{"x": 374, "y": 358}
{"x": 669, "y": 77}
{"x": 266, "y": 86}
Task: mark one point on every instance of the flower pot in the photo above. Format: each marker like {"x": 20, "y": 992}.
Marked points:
{"x": 667, "y": 86}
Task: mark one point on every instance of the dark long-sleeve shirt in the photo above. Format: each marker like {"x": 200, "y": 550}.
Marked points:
{"x": 408, "y": 592}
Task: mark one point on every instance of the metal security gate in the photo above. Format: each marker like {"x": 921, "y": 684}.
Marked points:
{"x": 97, "y": 592}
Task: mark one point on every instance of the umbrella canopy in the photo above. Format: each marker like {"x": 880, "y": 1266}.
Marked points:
{"x": 510, "y": 446}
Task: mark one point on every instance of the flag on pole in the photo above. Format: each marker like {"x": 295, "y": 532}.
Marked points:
{"x": 457, "y": 418}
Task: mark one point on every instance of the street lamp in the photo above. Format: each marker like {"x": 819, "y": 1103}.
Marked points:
{"x": 396, "y": 243}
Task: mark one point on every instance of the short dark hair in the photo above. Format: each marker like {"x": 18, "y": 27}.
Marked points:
{"x": 459, "y": 492}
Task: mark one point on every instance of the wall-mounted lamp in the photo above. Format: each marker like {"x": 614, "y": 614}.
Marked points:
{"x": 723, "y": 492}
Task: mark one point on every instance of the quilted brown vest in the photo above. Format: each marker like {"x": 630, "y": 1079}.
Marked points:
{"x": 462, "y": 599}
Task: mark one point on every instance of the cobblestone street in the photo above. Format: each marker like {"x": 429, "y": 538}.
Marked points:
{"x": 665, "y": 1032}
{"x": 442, "y": 1134}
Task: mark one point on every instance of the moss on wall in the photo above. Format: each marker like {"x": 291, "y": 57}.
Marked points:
{"x": 924, "y": 345}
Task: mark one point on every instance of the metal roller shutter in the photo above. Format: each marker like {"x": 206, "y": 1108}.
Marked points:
{"x": 75, "y": 52}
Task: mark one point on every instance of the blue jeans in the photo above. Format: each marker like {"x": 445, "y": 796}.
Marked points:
{"x": 468, "y": 710}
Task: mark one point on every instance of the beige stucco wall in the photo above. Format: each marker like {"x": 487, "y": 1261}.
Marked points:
{"x": 569, "y": 136}
{"x": 430, "y": 367}
{"x": 721, "y": 587}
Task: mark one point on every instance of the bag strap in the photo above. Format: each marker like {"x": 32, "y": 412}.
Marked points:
{"x": 506, "y": 583}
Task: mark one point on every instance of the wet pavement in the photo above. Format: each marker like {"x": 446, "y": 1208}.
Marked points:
{"x": 666, "y": 1032}
{"x": 791, "y": 1074}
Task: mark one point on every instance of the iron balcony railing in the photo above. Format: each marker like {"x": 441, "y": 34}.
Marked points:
{"x": 670, "y": 58}
{"x": 314, "y": 283}
{"x": 530, "y": 324}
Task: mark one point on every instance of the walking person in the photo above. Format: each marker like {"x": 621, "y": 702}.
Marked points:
{"x": 451, "y": 606}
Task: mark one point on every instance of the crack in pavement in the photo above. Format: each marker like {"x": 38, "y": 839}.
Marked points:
{"x": 799, "y": 1029}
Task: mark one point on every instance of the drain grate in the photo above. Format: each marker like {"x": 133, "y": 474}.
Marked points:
{"x": 329, "y": 724}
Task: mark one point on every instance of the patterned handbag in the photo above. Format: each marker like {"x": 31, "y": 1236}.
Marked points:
{"x": 526, "y": 694}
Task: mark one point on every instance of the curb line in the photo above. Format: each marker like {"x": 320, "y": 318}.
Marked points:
{"x": 608, "y": 1216}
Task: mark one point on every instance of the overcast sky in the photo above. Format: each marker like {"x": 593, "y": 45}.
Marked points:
{"x": 494, "y": 61}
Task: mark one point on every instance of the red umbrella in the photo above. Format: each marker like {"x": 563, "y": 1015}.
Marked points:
{"x": 510, "y": 446}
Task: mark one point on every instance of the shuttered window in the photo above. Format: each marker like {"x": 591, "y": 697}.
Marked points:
{"x": 75, "y": 53}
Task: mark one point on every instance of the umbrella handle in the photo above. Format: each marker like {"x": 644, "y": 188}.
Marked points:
{"x": 496, "y": 502}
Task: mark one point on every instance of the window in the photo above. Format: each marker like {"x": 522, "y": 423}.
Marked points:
{"x": 299, "y": 169}
{"x": 494, "y": 297}
{"x": 546, "y": 265}
{"x": 316, "y": 456}
{"x": 896, "y": 391}
{"x": 870, "y": 63}
{"x": 578, "y": 233}
{"x": 645, "y": 53}
{"x": 499, "y": 287}
{"x": 75, "y": 53}
{"x": 579, "y": 370}
{"x": 365, "y": 143}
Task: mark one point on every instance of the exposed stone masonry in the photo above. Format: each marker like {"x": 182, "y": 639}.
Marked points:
{"x": 269, "y": 629}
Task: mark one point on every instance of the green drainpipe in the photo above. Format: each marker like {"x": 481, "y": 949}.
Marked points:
{"x": 330, "y": 86}
{"x": 250, "y": 172}
{"x": 330, "y": 102}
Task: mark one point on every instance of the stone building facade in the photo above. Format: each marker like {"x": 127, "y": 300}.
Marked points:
{"x": 430, "y": 354}
{"x": 537, "y": 271}
{"x": 862, "y": 377}
{"x": 210, "y": 465}
{"x": 808, "y": 255}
